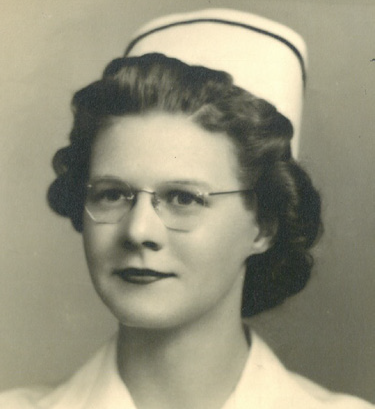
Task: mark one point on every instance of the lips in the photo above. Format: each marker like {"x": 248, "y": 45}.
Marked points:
{"x": 142, "y": 276}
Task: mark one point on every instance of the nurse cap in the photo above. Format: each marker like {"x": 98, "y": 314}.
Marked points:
{"x": 264, "y": 57}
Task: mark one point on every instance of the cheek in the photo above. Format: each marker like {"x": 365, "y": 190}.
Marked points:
{"x": 222, "y": 245}
{"x": 97, "y": 244}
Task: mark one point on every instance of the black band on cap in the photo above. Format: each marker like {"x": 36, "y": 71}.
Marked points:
{"x": 230, "y": 23}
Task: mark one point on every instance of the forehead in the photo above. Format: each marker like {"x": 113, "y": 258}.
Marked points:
{"x": 160, "y": 147}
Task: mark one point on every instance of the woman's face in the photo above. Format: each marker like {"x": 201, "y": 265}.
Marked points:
{"x": 197, "y": 272}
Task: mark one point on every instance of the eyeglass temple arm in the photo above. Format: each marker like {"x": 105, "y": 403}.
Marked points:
{"x": 230, "y": 192}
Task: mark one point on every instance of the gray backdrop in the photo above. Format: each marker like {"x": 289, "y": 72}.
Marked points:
{"x": 50, "y": 318}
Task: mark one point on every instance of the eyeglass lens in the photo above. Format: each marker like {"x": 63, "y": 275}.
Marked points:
{"x": 178, "y": 207}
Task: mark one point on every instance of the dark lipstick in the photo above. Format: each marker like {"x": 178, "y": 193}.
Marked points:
{"x": 141, "y": 276}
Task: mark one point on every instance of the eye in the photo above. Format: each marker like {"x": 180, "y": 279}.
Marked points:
{"x": 110, "y": 195}
{"x": 184, "y": 198}
{"x": 107, "y": 196}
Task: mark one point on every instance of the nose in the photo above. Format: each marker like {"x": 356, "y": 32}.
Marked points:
{"x": 142, "y": 226}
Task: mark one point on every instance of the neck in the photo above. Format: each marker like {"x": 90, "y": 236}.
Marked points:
{"x": 197, "y": 365}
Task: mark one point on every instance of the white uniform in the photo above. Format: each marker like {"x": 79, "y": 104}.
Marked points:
{"x": 264, "y": 384}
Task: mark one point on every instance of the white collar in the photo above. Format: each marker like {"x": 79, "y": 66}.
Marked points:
{"x": 264, "y": 384}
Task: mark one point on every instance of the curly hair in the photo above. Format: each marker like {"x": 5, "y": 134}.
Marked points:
{"x": 286, "y": 202}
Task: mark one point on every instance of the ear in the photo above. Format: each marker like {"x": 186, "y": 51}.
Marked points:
{"x": 265, "y": 238}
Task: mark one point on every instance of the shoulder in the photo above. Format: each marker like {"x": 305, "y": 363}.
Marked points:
{"x": 22, "y": 398}
{"x": 266, "y": 383}
{"x": 72, "y": 394}
{"x": 326, "y": 398}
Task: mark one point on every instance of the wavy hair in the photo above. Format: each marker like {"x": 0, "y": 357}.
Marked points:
{"x": 286, "y": 202}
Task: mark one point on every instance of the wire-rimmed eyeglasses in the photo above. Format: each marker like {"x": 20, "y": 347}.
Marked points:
{"x": 179, "y": 207}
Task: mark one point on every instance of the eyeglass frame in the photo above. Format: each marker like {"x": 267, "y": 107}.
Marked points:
{"x": 157, "y": 200}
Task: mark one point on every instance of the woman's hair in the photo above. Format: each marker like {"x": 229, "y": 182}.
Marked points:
{"x": 287, "y": 205}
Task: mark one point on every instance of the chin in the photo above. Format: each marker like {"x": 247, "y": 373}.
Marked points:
{"x": 149, "y": 321}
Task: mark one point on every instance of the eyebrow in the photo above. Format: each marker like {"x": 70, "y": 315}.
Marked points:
{"x": 184, "y": 182}
{"x": 189, "y": 182}
{"x": 105, "y": 178}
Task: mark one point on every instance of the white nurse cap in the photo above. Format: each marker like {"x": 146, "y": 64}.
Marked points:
{"x": 264, "y": 57}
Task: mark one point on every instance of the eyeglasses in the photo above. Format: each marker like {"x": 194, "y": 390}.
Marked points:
{"x": 179, "y": 207}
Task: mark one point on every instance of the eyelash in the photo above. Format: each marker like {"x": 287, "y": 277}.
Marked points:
{"x": 108, "y": 194}
{"x": 192, "y": 197}
{"x": 175, "y": 197}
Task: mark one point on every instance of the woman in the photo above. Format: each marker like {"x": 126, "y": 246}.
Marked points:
{"x": 194, "y": 214}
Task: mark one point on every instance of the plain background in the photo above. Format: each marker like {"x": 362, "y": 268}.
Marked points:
{"x": 50, "y": 318}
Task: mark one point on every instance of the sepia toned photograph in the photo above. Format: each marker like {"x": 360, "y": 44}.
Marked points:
{"x": 187, "y": 200}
